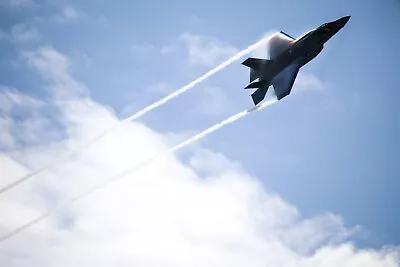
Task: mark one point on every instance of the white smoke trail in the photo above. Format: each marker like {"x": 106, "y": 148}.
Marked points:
{"x": 137, "y": 115}
{"x": 197, "y": 81}
{"x": 173, "y": 149}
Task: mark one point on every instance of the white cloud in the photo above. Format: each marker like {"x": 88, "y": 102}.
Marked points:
{"x": 21, "y": 32}
{"x": 143, "y": 51}
{"x": 168, "y": 49}
{"x": 207, "y": 51}
{"x": 13, "y": 104}
{"x": 161, "y": 88}
{"x": 54, "y": 67}
{"x": 200, "y": 50}
{"x": 208, "y": 212}
{"x": 308, "y": 81}
{"x": 67, "y": 14}
{"x": 9, "y": 97}
{"x": 50, "y": 64}
{"x": 214, "y": 101}
{"x": 3, "y": 35}
{"x": 6, "y": 138}
{"x": 21, "y": 3}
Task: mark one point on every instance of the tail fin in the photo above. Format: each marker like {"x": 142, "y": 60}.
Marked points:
{"x": 258, "y": 64}
{"x": 257, "y": 67}
{"x": 284, "y": 33}
{"x": 259, "y": 95}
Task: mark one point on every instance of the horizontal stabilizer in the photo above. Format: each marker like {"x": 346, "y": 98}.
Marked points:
{"x": 253, "y": 85}
{"x": 258, "y": 64}
{"x": 259, "y": 95}
{"x": 257, "y": 84}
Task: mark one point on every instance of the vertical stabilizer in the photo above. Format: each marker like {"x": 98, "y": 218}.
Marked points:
{"x": 259, "y": 95}
{"x": 257, "y": 67}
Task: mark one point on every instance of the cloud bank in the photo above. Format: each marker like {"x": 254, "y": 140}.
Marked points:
{"x": 204, "y": 210}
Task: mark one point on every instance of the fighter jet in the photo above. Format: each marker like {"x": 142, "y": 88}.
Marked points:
{"x": 287, "y": 56}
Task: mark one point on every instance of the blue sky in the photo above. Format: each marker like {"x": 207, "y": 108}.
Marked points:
{"x": 329, "y": 147}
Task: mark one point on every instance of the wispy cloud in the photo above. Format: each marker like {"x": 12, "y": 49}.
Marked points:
{"x": 161, "y": 88}
{"x": 199, "y": 49}
{"x": 10, "y": 97}
{"x": 20, "y": 116}
{"x": 161, "y": 212}
{"x": 23, "y": 33}
{"x": 3, "y": 35}
{"x": 308, "y": 81}
{"x": 21, "y": 3}
{"x": 54, "y": 67}
{"x": 143, "y": 51}
{"x": 213, "y": 101}
{"x": 67, "y": 14}
{"x": 206, "y": 51}
{"x": 169, "y": 49}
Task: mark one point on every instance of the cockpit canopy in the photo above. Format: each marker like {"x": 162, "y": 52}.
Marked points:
{"x": 326, "y": 27}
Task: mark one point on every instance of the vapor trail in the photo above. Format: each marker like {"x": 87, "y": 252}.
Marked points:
{"x": 196, "y": 81}
{"x": 173, "y": 149}
{"x": 138, "y": 114}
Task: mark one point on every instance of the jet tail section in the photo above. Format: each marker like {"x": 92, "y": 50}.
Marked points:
{"x": 258, "y": 67}
{"x": 259, "y": 95}
{"x": 254, "y": 74}
{"x": 257, "y": 84}
{"x": 258, "y": 64}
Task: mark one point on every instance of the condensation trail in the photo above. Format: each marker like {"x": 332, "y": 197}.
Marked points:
{"x": 173, "y": 149}
{"x": 138, "y": 114}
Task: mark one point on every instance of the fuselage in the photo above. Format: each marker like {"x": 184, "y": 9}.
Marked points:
{"x": 301, "y": 52}
{"x": 304, "y": 49}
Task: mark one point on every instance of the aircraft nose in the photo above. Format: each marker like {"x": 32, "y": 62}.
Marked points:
{"x": 344, "y": 20}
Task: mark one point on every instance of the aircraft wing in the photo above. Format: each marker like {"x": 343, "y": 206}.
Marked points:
{"x": 277, "y": 44}
{"x": 283, "y": 82}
